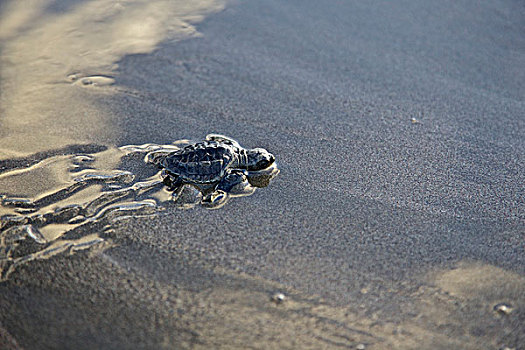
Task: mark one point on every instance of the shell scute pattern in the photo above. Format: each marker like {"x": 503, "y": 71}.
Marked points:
{"x": 201, "y": 162}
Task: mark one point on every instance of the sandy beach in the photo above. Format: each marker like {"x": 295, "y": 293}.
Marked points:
{"x": 397, "y": 220}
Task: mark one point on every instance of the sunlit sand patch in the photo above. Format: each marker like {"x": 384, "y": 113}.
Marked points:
{"x": 496, "y": 291}
{"x": 474, "y": 280}
{"x": 47, "y": 54}
{"x": 463, "y": 306}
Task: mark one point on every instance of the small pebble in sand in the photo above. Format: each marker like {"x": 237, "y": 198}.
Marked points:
{"x": 278, "y": 298}
{"x": 415, "y": 121}
{"x": 72, "y": 77}
{"x": 95, "y": 80}
{"x": 503, "y": 309}
{"x": 360, "y": 347}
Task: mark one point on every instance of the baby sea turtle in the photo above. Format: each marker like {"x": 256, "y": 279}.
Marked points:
{"x": 214, "y": 166}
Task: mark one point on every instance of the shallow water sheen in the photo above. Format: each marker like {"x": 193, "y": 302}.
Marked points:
{"x": 59, "y": 58}
{"x": 42, "y": 206}
{"x": 45, "y": 206}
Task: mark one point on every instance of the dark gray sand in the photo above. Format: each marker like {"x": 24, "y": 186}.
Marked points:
{"x": 398, "y": 218}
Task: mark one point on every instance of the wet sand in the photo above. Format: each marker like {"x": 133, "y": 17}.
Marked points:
{"x": 397, "y": 219}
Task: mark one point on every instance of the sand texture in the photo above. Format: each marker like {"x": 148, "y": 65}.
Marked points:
{"x": 397, "y": 220}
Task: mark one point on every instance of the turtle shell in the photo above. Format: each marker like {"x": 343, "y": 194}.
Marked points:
{"x": 203, "y": 162}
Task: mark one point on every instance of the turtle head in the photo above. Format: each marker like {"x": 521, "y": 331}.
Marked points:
{"x": 258, "y": 159}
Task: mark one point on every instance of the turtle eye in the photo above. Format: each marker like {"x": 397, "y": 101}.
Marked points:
{"x": 269, "y": 159}
{"x": 265, "y": 162}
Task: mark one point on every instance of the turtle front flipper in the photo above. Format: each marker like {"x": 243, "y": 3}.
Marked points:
{"x": 233, "y": 181}
{"x": 236, "y": 183}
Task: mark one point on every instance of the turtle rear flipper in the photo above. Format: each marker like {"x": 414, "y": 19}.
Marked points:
{"x": 173, "y": 182}
{"x": 156, "y": 157}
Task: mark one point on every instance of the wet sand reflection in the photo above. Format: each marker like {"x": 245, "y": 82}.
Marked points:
{"x": 57, "y": 59}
